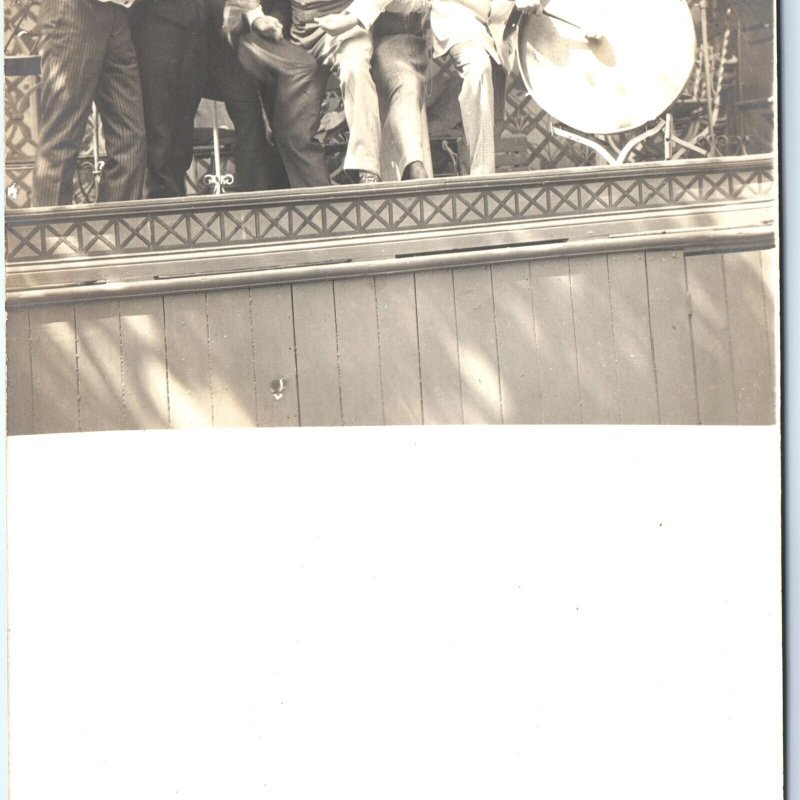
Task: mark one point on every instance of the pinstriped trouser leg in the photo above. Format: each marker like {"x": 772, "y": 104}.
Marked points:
{"x": 75, "y": 39}
{"x": 477, "y": 105}
{"x": 119, "y": 101}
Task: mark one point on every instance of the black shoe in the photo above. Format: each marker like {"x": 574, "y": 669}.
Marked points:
{"x": 415, "y": 171}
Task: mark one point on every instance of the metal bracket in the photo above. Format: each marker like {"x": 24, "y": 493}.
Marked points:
{"x": 600, "y": 148}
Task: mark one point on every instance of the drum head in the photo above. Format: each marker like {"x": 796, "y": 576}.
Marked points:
{"x": 633, "y": 73}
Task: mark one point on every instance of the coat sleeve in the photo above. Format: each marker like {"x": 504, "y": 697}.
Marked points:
{"x": 500, "y": 11}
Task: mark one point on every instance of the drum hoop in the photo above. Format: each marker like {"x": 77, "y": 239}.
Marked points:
{"x": 521, "y": 61}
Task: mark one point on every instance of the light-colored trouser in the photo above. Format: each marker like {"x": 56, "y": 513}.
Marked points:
{"x": 476, "y": 99}
{"x": 400, "y": 66}
{"x": 349, "y": 56}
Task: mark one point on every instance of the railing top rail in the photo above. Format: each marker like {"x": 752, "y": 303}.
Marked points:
{"x": 392, "y": 190}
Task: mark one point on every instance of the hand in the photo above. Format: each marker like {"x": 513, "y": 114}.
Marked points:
{"x": 533, "y": 6}
{"x": 268, "y": 28}
{"x": 337, "y": 24}
{"x": 232, "y": 23}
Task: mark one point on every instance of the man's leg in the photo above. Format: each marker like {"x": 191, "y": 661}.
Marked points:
{"x": 400, "y": 67}
{"x": 74, "y": 37}
{"x": 350, "y": 57}
{"x": 192, "y": 78}
{"x": 119, "y": 102}
{"x": 296, "y": 106}
{"x": 250, "y": 149}
{"x": 172, "y": 66}
{"x": 228, "y": 81}
{"x": 477, "y": 105}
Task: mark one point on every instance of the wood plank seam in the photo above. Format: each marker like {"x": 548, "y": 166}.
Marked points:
{"x": 166, "y": 360}
{"x": 296, "y": 367}
{"x": 77, "y": 363}
{"x": 535, "y": 340}
{"x": 380, "y": 355}
{"x": 30, "y": 369}
{"x": 616, "y": 345}
{"x": 338, "y": 360}
{"x": 29, "y": 376}
{"x": 253, "y": 350}
{"x": 730, "y": 341}
{"x": 496, "y": 347}
{"x": 208, "y": 360}
{"x": 575, "y": 340}
{"x": 458, "y": 349}
{"x": 691, "y": 336}
{"x": 613, "y": 339}
{"x": 125, "y": 415}
{"x": 652, "y": 342}
{"x": 419, "y": 351}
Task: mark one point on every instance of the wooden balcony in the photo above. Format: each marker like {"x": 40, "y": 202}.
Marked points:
{"x": 635, "y": 294}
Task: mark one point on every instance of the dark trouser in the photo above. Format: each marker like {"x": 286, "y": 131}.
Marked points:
{"x": 295, "y": 113}
{"x": 87, "y": 55}
{"x": 173, "y": 64}
{"x": 258, "y": 163}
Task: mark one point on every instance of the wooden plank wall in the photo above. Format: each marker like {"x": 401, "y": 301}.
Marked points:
{"x": 626, "y": 338}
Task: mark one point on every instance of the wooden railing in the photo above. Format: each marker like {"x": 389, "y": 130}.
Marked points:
{"x": 150, "y": 247}
{"x": 639, "y": 294}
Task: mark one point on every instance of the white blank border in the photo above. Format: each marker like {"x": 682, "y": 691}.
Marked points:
{"x": 428, "y": 613}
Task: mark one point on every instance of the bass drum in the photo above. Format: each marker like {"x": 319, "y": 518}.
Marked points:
{"x": 628, "y": 76}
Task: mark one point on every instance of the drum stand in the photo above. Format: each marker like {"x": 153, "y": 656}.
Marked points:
{"x": 95, "y": 165}
{"x": 217, "y": 179}
{"x": 600, "y": 148}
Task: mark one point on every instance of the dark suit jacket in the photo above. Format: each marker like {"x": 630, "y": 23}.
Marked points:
{"x": 184, "y": 13}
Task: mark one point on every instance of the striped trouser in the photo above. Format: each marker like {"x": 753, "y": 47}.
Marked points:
{"x": 87, "y": 54}
{"x": 349, "y": 57}
{"x": 476, "y": 100}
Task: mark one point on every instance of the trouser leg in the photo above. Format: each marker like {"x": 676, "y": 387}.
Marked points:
{"x": 193, "y": 77}
{"x": 119, "y": 102}
{"x": 476, "y": 100}
{"x": 250, "y": 151}
{"x": 400, "y": 69}
{"x": 349, "y": 56}
{"x": 172, "y": 66}
{"x": 295, "y": 107}
{"x": 353, "y": 62}
{"x": 228, "y": 81}
{"x": 74, "y": 37}
{"x": 295, "y": 120}
{"x": 277, "y": 178}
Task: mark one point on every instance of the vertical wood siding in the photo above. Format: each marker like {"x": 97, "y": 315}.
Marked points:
{"x": 750, "y": 339}
{"x": 711, "y": 340}
{"x": 477, "y": 345}
{"x": 440, "y": 370}
{"x": 277, "y": 399}
{"x": 54, "y": 369}
{"x": 395, "y": 297}
{"x": 625, "y": 338}
{"x": 671, "y": 337}
{"x": 633, "y": 347}
{"x": 555, "y": 341}
{"x": 144, "y": 362}
{"x": 518, "y": 359}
